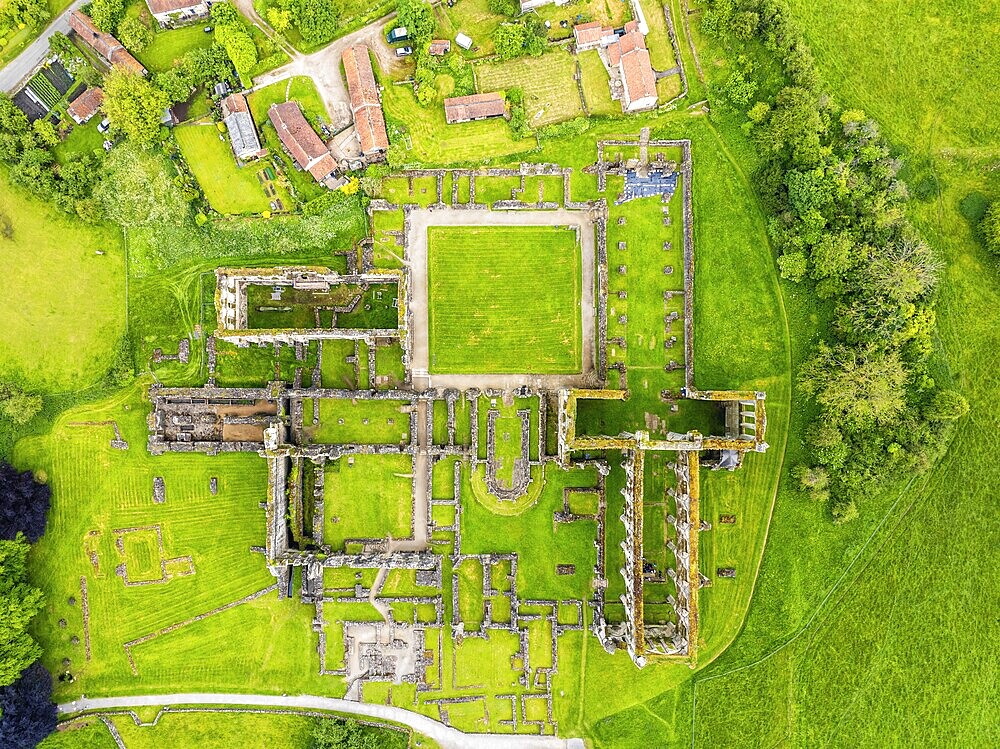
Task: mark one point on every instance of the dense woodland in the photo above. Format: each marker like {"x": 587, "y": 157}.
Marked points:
{"x": 836, "y": 203}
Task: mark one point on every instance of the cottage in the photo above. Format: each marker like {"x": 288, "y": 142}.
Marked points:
{"x": 105, "y": 45}
{"x": 86, "y": 105}
{"x": 366, "y": 101}
{"x": 631, "y": 58}
{"x": 168, "y": 12}
{"x": 301, "y": 141}
{"x": 439, "y": 47}
{"x": 475, "y": 107}
{"x": 242, "y": 132}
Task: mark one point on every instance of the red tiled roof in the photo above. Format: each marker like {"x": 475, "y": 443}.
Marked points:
{"x": 637, "y": 74}
{"x": 301, "y": 140}
{"x": 475, "y": 107}
{"x": 589, "y": 33}
{"x": 439, "y": 47}
{"x": 86, "y": 104}
{"x": 625, "y": 44}
{"x": 234, "y": 103}
{"x": 103, "y": 44}
{"x": 366, "y": 101}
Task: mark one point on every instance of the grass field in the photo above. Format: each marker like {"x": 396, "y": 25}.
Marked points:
{"x": 369, "y": 499}
{"x": 299, "y": 88}
{"x": 230, "y": 189}
{"x": 366, "y": 422}
{"x": 65, "y": 309}
{"x": 661, "y": 54}
{"x": 550, "y": 93}
{"x": 430, "y": 140}
{"x": 504, "y": 300}
{"x": 596, "y": 90}
{"x": 168, "y": 46}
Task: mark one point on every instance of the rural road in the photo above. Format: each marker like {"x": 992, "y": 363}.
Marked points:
{"x": 323, "y": 66}
{"x": 448, "y": 738}
{"x": 17, "y": 69}
{"x": 416, "y": 243}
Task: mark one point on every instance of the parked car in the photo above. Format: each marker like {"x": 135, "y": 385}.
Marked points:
{"x": 398, "y": 34}
{"x": 208, "y": 29}
{"x": 404, "y": 51}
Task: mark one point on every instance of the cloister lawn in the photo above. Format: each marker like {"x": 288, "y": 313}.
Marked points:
{"x": 504, "y": 300}
{"x": 367, "y": 496}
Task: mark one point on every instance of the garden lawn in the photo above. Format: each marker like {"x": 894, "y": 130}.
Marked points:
{"x": 370, "y": 499}
{"x": 504, "y": 300}
{"x": 230, "y": 189}
{"x": 299, "y": 88}
{"x": 550, "y": 92}
{"x": 63, "y": 304}
{"x": 430, "y": 140}
{"x": 169, "y": 45}
{"x": 596, "y": 89}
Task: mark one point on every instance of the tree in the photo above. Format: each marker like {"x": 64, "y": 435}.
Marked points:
{"x": 225, "y": 14}
{"x": 19, "y": 602}
{"x": 792, "y": 266}
{"x": 318, "y": 20}
{"x": 335, "y": 733}
{"x": 28, "y": 713}
{"x": 59, "y": 44}
{"x": 241, "y": 50}
{"x": 175, "y": 83}
{"x": 279, "y": 19}
{"x": 106, "y": 14}
{"x": 990, "y": 228}
{"x": 24, "y": 504}
{"x": 844, "y": 511}
{"x": 133, "y": 105}
{"x": 18, "y": 406}
{"x": 504, "y": 7}
{"x": 903, "y": 271}
{"x": 947, "y": 405}
{"x": 861, "y": 388}
{"x": 508, "y": 40}
{"x": 134, "y": 34}
{"x": 45, "y": 132}
{"x": 418, "y": 19}
{"x": 814, "y": 481}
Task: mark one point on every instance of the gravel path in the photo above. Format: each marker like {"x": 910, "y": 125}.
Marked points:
{"x": 448, "y": 738}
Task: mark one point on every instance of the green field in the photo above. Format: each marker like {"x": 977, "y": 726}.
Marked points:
{"x": 550, "y": 93}
{"x": 64, "y": 304}
{"x": 168, "y": 46}
{"x": 367, "y": 496}
{"x": 504, "y": 299}
{"x": 365, "y": 422}
{"x": 230, "y": 188}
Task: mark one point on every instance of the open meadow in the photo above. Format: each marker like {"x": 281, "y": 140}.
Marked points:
{"x": 65, "y": 309}
{"x": 504, "y": 299}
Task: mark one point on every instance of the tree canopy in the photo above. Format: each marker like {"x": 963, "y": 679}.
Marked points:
{"x": 134, "y": 106}
{"x": 27, "y": 714}
{"x": 417, "y": 17}
{"x": 24, "y": 504}
{"x": 19, "y": 602}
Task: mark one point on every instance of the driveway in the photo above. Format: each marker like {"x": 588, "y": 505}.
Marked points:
{"x": 14, "y": 72}
{"x": 447, "y": 737}
{"x": 323, "y": 66}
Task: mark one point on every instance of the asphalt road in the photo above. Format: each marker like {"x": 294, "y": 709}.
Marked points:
{"x": 17, "y": 69}
{"x": 448, "y": 738}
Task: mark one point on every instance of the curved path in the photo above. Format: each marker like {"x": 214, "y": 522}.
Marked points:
{"x": 447, "y": 737}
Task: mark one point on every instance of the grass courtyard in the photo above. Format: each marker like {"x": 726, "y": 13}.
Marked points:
{"x": 367, "y": 496}
{"x": 504, "y": 300}
{"x": 230, "y": 188}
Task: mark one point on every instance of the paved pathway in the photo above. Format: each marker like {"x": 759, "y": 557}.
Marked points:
{"x": 18, "y": 69}
{"x": 416, "y": 241}
{"x": 323, "y": 66}
{"x": 448, "y": 738}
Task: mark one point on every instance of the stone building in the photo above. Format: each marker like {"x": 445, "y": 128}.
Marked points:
{"x": 106, "y": 46}
{"x": 302, "y": 143}
{"x": 170, "y": 12}
{"x": 242, "y": 132}
{"x": 366, "y": 101}
{"x": 475, "y": 107}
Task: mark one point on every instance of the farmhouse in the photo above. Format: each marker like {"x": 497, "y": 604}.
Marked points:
{"x": 301, "y": 141}
{"x": 439, "y": 47}
{"x": 631, "y": 58}
{"x": 242, "y": 133}
{"x": 168, "y": 12}
{"x": 592, "y": 35}
{"x": 105, "y": 45}
{"x": 86, "y": 105}
{"x": 366, "y": 101}
{"x": 474, "y": 107}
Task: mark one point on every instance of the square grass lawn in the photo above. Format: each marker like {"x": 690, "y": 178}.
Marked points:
{"x": 504, "y": 300}
{"x": 367, "y": 496}
{"x": 228, "y": 187}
